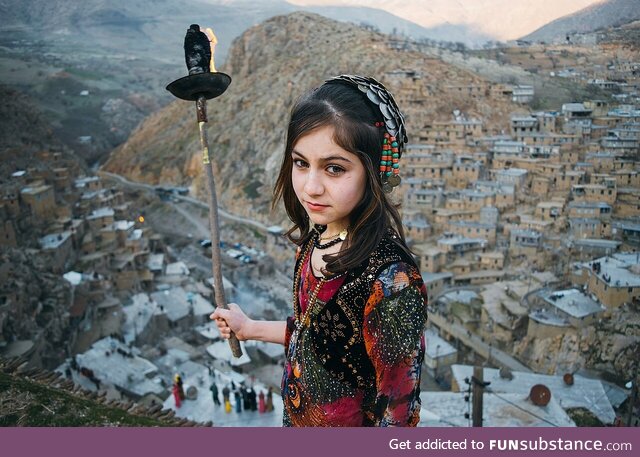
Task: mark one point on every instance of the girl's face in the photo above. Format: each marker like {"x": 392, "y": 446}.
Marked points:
{"x": 328, "y": 180}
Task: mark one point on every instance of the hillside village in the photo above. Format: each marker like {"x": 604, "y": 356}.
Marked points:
{"x": 525, "y": 224}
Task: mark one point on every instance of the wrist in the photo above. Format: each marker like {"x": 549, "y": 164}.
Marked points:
{"x": 252, "y": 330}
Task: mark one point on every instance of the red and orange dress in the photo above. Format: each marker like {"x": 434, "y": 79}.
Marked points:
{"x": 357, "y": 359}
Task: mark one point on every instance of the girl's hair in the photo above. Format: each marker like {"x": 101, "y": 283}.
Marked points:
{"x": 353, "y": 119}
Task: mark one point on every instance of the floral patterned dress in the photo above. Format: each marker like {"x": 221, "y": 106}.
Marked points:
{"x": 359, "y": 361}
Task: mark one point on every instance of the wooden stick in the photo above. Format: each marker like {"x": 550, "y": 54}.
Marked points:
{"x": 220, "y": 301}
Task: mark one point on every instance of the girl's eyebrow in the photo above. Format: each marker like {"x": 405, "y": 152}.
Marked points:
{"x": 323, "y": 159}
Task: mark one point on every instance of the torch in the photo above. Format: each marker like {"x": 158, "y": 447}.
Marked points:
{"x": 204, "y": 83}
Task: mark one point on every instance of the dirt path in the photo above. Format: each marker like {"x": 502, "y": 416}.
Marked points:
{"x": 200, "y": 230}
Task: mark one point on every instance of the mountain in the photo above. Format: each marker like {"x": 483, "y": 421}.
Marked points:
{"x": 23, "y": 124}
{"x": 609, "y": 13}
{"x": 120, "y": 24}
{"x": 26, "y": 130}
{"x": 494, "y": 19}
{"x": 119, "y": 54}
{"x": 387, "y": 22}
{"x": 271, "y": 65}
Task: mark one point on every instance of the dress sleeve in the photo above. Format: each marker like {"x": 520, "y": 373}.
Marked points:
{"x": 288, "y": 331}
{"x": 393, "y": 330}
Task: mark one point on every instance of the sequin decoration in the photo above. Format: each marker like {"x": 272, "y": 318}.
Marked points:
{"x": 351, "y": 366}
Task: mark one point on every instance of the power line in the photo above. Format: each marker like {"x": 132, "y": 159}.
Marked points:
{"x": 521, "y": 408}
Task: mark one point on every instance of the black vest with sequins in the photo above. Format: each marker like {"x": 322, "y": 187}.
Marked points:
{"x": 343, "y": 353}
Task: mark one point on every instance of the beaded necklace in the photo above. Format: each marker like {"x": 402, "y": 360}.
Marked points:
{"x": 335, "y": 239}
{"x": 303, "y": 321}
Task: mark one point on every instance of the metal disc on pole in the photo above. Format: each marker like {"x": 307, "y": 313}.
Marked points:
{"x": 200, "y": 87}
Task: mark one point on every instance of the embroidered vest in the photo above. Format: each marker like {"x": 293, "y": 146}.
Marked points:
{"x": 343, "y": 353}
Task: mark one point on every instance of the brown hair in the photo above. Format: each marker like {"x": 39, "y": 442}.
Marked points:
{"x": 353, "y": 118}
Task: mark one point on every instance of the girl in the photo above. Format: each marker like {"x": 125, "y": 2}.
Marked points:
{"x": 354, "y": 345}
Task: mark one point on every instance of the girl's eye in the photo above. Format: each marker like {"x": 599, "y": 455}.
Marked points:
{"x": 335, "y": 169}
{"x": 299, "y": 163}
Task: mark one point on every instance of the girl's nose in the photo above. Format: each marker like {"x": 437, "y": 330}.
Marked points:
{"x": 313, "y": 185}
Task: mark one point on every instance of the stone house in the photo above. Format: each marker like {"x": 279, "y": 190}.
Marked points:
{"x": 589, "y": 248}
{"x": 522, "y": 94}
{"x": 523, "y": 126}
{"x": 423, "y": 198}
{"x": 524, "y": 242}
{"x": 463, "y": 172}
{"x": 418, "y": 230}
{"x": 439, "y": 355}
{"x": 564, "y": 180}
{"x": 474, "y": 200}
{"x": 581, "y": 227}
{"x": 594, "y": 193}
{"x": 627, "y": 178}
{"x": 540, "y": 186}
{"x": 40, "y": 200}
{"x": 58, "y": 247}
{"x": 504, "y": 194}
{"x": 479, "y": 277}
{"x": 459, "y": 247}
{"x": 627, "y": 203}
{"x": 629, "y": 234}
{"x": 571, "y": 305}
{"x": 61, "y": 179}
{"x": 549, "y": 210}
{"x": 436, "y": 283}
{"x": 614, "y": 279}
{"x": 473, "y": 229}
{"x": 491, "y": 260}
{"x": 430, "y": 258}
{"x": 441, "y": 217}
{"x": 590, "y": 210}
{"x": 100, "y": 218}
{"x": 503, "y": 319}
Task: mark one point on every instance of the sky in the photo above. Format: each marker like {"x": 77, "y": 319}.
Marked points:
{"x": 502, "y": 19}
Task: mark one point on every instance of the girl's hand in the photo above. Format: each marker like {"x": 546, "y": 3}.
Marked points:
{"x": 232, "y": 319}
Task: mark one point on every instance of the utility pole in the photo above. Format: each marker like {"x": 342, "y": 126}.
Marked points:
{"x": 477, "y": 394}
{"x": 633, "y": 397}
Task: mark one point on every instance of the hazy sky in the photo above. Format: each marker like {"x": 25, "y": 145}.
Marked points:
{"x": 503, "y": 19}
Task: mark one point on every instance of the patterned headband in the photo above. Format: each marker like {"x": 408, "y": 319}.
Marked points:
{"x": 396, "y": 133}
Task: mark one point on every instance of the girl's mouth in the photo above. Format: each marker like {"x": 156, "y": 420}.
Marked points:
{"x": 316, "y": 206}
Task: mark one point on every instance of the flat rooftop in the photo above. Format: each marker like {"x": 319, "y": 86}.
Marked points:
{"x": 116, "y": 363}
{"x": 437, "y": 347}
{"x": 448, "y": 409}
{"x": 573, "y": 302}
{"x": 584, "y": 393}
{"x": 54, "y": 240}
{"x": 619, "y": 269}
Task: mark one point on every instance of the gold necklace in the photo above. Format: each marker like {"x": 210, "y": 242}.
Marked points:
{"x": 342, "y": 235}
{"x": 303, "y": 321}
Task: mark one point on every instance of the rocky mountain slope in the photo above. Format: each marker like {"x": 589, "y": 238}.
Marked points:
{"x": 22, "y": 122}
{"x": 271, "y": 65}
{"x": 119, "y": 54}
{"x": 25, "y": 129}
{"x": 615, "y": 353}
{"x": 608, "y": 13}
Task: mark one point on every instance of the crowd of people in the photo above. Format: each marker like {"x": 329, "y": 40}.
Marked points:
{"x": 244, "y": 398}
